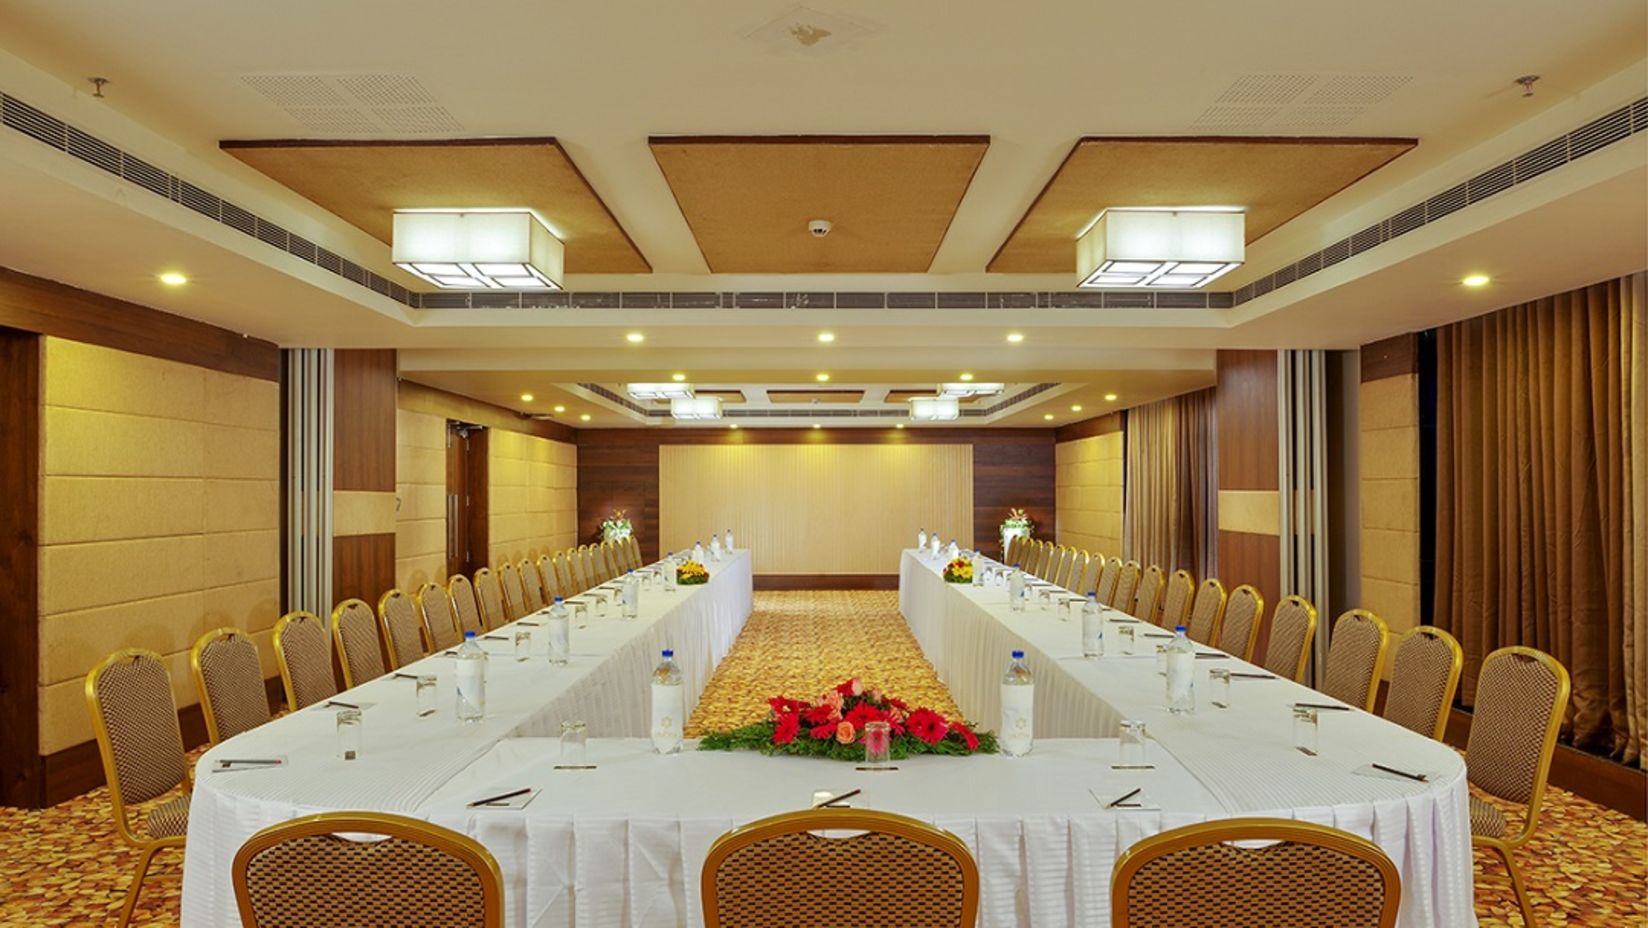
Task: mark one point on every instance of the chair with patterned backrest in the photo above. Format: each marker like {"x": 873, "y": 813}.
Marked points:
{"x": 466, "y": 604}
{"x": 514, "y": 589}
{"x": 1356, "y": 651}
{"x": 304, "y": 658}
{"x": 1109, "y": 576}
{"x": 567, "y": 573}
{"x": 1181, "y": 587}
{"x": 360, "y": 648}
{"x": 228, "y": 677}
{"x": 591, "y": 569}
{"x": 1423, "y": 680}
{"x": 633, "y": 546}
{"x": 1147, "y": 597}
{"x": 1521, "y": 697}
{"x": 1035, "y": 558}
{"x": 1013, "y": 556}
{"x": 1207, "y": 612}
{"x": 489, "y": 593}
{"x": 134, "y": 720}
{"x": 1292, "y": 628}
{"x": 603, "y": 561}
{"x": 784, "y": 870}
{"x": 1127, "y": 585}
{"x": 403, "y": 631}
{"x": 1075, "y": 571}
{"x": 1239, "y": 629}
{"x": 440, "y": 623}
{"x": 533, "y": 583}
{"x": 366, "y": 868}
{"x": 1088, "y": 582}
{"x": 1056, "y": 564}
{"x": 1217, "y": 875}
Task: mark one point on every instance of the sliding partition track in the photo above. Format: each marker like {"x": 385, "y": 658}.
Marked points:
{"x": 1301, "y": 397}
{"x": 309, "y": 437}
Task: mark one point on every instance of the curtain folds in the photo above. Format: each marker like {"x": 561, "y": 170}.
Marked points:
{"x": 1538, "y": 464}
{"x": 1167, "y": 515}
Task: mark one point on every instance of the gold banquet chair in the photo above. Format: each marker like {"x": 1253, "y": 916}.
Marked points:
{"x": 1014, "y": 555}
{"x": 925, "y": 878}
{"x": 1521, "y": 696}
{"x": 1147, "y": 597}
{"x": 304, "y": 659}
{"x": 1304, "y": 876}
{"x": 403, "y": 631}
{"x": 465, "y": 604}
{"x": 632, "y": 549}
{"x": 1356, "y": 650}
{"x": 440, "y": 624}
{"x": 1424, "y": 678}
{"x": 1292, "y": 628}
{"x": 1207, "y": 612}
{"x": 1076, "y": 571}
{"x": 134, "y": 720}
{"x": 532, "y": 583}
{"x": 1239, "y": 629}
{"x": 1108, "y": 578}
{"x": 1127, "y": 585}
{"x": 572, "y": 569}
{"x": 551, "y": 578}
{"x": 408, "y": 873}
{"x": 1036, "y": 558}
{"x": 489, "y": 593}
{"x": 228, "y": 676}
{"x": 355, "y": 635}
{"x": 590, "y": 567}
{"x": 514, "y": 589}
{"x": 1089, "y": 580}
{"x": 1181, "y": 587}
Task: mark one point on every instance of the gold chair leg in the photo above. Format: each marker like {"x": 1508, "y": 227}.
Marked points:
{"x": 136, "y": 886}
{"x": 1517, "y": 884}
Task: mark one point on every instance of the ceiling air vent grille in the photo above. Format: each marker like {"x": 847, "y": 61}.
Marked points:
{"x": 94, "y": 151}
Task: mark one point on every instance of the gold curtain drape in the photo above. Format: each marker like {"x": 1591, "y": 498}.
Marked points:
{"x": 1167, "y": 511}
{"x": 1535, "y": 478}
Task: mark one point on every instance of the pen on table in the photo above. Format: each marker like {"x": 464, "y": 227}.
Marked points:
{"x": 1253, "y": 676}
{"x": 248, "y": 761}
{"x": 501, "y": 797}
{"x": 330, "y": 703}
{"x": 1401, "y": 773}
{"x": 1320, "y": 705}
{"x": 404, "y": 676}
{"x": 824, "y": 804}
{"x": 1121, "y": 799}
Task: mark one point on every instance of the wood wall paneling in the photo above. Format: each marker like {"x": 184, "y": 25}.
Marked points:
{"x": 363, "y": 404}
{"x": 363, "y": 567}
{"x": 1087, "y": 428}
{"x": 21, "y": 776}
{"x": 418, "y": 397}
{"x": 46, "y": 307}
{"x": 1391, "y": 357}
{"x": 1245, "y": 404}
{"x": 1245, "y": 557}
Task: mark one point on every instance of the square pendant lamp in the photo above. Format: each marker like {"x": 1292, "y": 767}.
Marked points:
{"x": 935, "y": 408}
{"x": 1179, "y": 249}
{"x": 478, "y": 249}
{"x": 695, "y": 408}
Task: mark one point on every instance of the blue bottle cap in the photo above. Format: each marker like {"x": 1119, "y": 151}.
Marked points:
{"x": 1090, "y": 596}
{"x": 1018, "y": 655}
{"x": 1179, "y": 628}
{"x": 557, "y": 599}
{"x": 669, "y": 652}
{"x": 468, "y": 635}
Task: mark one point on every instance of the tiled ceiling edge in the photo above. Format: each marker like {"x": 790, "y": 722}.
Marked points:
{"x": 880, "y": 412}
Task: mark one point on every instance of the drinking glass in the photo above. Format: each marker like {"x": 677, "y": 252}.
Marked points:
{"x": 1218, "y": 685}
{"x": 878, "y": 744}
{"x": 1046, "y": 599}
{"x": 1125, "y": 636}
{"x": 523, "y": 644}
{"x": 1305, "y": 730}
{"x": 426, "y": 695}
{"x": 1161, "y": 660}
{"x": 600, "y": 602}
{"x": 1133, "y": 739}
{"x": 349, "y": 733}
{"x": 574, "y": 739}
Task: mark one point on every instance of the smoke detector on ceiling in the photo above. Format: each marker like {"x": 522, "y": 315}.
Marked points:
{"x": 818, "y": 228}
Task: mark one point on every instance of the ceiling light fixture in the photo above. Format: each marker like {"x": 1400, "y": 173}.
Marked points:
{"x": 733, "y": 426}
{"x": 173, "y": 278}
{"x": 678, "y": 377}
{"x": 899, "y": 426}
{"x": 935, "y": 408}
{"x": 822, "y": 378}
{"x": 1076, "y": 408}
{"x": 635, "y": 338}
{"x": 584, "y": 417}
{"x": 1048, "y": 417}
{"x": 695, "y": 408}
{"x": 1015, "y": 337}
{"x": 966, "y": 376}
{"x": 1180, "y": 249}
{"x": 658, "y": 391}
{"x": 964, "y": 390}
{"x": 459, "y": 249}
{"x": 526, "y": 397}
{"x": 1475, "y": 280}
{"x": 1110, "y": 397}
{"x": 817, "y": 426}
{"x": 559, "y": 408}
{"x": 826, "y": 337}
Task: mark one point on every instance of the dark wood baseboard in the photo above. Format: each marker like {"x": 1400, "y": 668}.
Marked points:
{"x": 826, "y": 581}
{"x": 78, "y": 770}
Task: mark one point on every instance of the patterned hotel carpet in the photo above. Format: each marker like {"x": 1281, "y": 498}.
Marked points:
{"x": 65, "y": 866}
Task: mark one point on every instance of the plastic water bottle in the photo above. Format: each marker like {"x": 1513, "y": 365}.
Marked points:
{"x": 668, "y": 705}
{"x": 1181, "y": 674}
{"x": 1018, "y": 704}
{"x": 471, "y": 674}
{"x": 1015, "y": 590}
{"x": 978, "y": 569}
{"x": 1092, "y": 627}
{"x": 669, "y": 573}
{"x": 951, "y": 550}
{"x": 921, "y": 541}
{"x": 728, "y": 543}
{"x": 698, "y": 552}
{"x": 632, "y": 595}
{"x": 933, "y": 544}
{"x": 715, "y": 547}
{"x": 559, "y": 627}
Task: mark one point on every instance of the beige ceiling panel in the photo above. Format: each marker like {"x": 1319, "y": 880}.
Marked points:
{"x": 749, "y": 199}
{"x": 363, "y": 183}
{"x": 1274, "y": 179}
{"x": 797, "y": 397}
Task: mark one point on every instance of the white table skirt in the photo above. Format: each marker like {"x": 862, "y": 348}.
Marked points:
{"x": 1243, "y": 755}
{"x": 404, "y": 759}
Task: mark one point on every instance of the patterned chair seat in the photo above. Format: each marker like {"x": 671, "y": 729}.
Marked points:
{"x": 170, "y": 818}
{"x": 1486, "y": 819}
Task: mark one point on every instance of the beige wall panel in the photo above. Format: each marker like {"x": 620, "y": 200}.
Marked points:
{"x": 78, "y": 509}
{"x": 64, "y": 721}
{"x": 242, "y": 504}
{"x": 103, "y": 573}
{"x": 1258, "y": 512}
{"x": 1392, "y": 402}
{"x": 83, "y": 442}
{"x": 1088, "y": 493}
{"x": 1390, "y": 555}
{"x": 1396, "y": 603}
{"x": 245, "y": 402}
{"x": 420, "y": 538}
{"x": 251, "y": 607}
{"x": 1390, "y": 453}
{"x": 811, "y": 509}
{"x": 242, "y": 454}
{"x": 531, "y": 480}
{"x": 92, "y": 377}
{"x": 1390, "y": 504}
{"x": 420, "y": 485}
{"x": 362, "y": 512}
{"x": 241, "y": 557}
{"x": 420, "y": 462}
{"x": 420, "y": 501}
{"x": 413, "y": 572}
{"x": 72, "y": 642}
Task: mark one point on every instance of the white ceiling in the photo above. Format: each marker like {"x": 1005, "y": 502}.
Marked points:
{"x": 1034, "y": 77}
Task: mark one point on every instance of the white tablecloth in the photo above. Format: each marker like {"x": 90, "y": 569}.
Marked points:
{"x": 404, "y": 759}
{"x": 1243, "y": 755}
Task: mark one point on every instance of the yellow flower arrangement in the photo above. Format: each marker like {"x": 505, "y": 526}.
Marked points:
{"x": 959, "y": 570}
{"x": 691, "y": 573}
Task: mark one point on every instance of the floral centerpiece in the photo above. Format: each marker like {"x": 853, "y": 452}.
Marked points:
{"x": 833, "y": 725}
{"x": 959, "y": 570}
{"x": 617, "y": 527}
{"x": 1017, "y": 523}
{"x": 691, "y": 573}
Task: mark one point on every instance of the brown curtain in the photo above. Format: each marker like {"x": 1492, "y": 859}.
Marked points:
{"x": 1534, "y": 541}
{"x": 1167, "y": 512}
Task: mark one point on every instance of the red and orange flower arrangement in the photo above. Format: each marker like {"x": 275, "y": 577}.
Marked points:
{"x": 833, "y": 726}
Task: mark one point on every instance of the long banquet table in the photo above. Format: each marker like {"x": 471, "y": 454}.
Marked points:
{"x": 1243, "y": 755}
{"x": 405, "y": 759}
